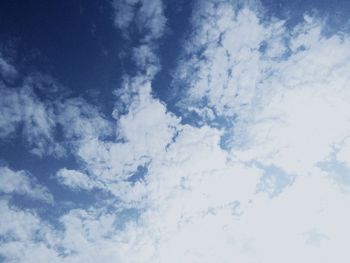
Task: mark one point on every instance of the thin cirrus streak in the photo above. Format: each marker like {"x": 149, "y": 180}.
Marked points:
{"x": 259, "y": 175}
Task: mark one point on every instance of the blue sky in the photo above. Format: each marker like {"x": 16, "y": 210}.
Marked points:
{"x": 174, "y": 131}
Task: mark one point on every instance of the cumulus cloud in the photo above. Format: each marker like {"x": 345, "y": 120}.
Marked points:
{"x": 303, "y": 114}
{"x": 24, "y": 236}
{"x": 293, "y": 137}
{"x": 111, "y": 163}
{"x": 283, "y": 87}
{"x": 147, "y": 21}
{"x": 210, "y": 211}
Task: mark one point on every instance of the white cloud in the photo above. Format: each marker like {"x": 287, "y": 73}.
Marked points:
{"x": 21, "y": 107}
{"x": 25, "y": 237}
{"x": 9, "y": 116}
{"x": 81, "y": 121}
{"x": 201, "y": 201}
{"x": 146, "y": 60}
{"x": 147, "y": 15}
{"x": 148, "y": 20}
{"x": 208, "y": 211}
{"x": 20, "y": 182}
{"x": 7, "y": 71}
{"x": 344, "y": 153}
{"x": 75, "y": 179}
{"x": 285, "y": 88}
{"x": 23, "y": 112}
{"x": 124, "y": 13}
{"x": 304, "y": 113}
{"x": 286, "y": 94}
{"x": 144, "y": 128}
{"x": 291, "y": 111}
{"x": 143, "y": 135}
{"x": 205, "y": 211}
{"x": 224, "y": 65}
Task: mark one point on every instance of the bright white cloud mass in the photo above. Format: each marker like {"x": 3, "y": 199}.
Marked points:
{"x": 262, "y": 174}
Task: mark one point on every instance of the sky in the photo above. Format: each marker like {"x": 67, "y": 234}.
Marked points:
{"x": 136, "y": 131}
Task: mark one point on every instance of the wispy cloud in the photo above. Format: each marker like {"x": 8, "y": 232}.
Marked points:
{"x": 146, "y": 16}
{"x": 21, "y": 107}
{"x": 22, "y": 183}
{"x": 37, "y": 119}
{"x": 7, "y": 70}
